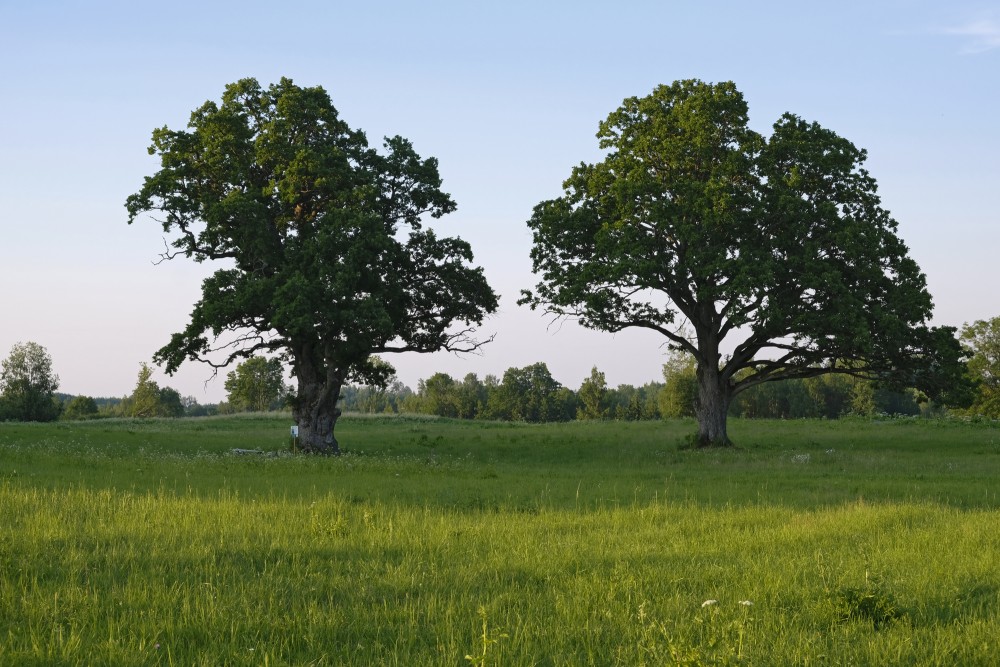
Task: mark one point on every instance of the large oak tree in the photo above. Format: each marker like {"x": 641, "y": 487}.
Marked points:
{"x": 774, "y": 251}
{"x": 325, "y": 257}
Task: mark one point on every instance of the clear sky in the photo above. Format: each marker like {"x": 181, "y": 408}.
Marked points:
{"x": 507, "y": 95}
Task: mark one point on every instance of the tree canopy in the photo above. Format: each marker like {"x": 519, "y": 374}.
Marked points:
{"x": 28, "y": 385}
{"x": 983, "y": 340}
{"x": 80, "y": 407}
{"x": 531, "y": 394}
{"x": 149, "y": 399}
{"x": 256, "y": 384}
{"x": 326, "y": 260}
{"x": 774, "y": 251}
{"x": 592, "y": 396}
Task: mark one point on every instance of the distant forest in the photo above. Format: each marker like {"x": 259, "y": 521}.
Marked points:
{"x": 531, "y": 394}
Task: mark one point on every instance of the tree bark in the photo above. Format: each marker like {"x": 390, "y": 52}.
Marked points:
{"x": 315, "y": 409}
{"x": 714, "y": 397}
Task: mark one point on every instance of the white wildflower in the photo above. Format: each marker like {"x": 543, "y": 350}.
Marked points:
{"x": 709, "y": 603}
{"x": 746, "y": 603}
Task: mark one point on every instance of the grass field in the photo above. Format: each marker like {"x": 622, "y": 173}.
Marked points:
{"x": 435, "y": 542}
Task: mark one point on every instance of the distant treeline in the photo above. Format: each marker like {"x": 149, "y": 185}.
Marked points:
{"x": 528, "y": 394}
{"x": 166, "y": 402}
{"x": 531, "y": 394}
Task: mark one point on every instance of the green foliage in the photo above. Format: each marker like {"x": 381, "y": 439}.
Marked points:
{"x": 831, "y": 395}
{"x": 80, "y": 407}
{"x": 592, "y": 397}
{"x": 629, "y": 403}
{"x": 192, "y": 408}
{"x": 565, "y": 406}
{"x": 148, "y": 399}
{"x": 145, "y": 398}
{"x": 256, "y": 385}
{"x": 828, "y": 396}
{"x": 868, "y": 604}
{"x": 982, "y": 338}
{"x": 871, "y": 603}
{"x": 170, "y": 403}
{"x": 472, "y": 394}
{"x": 777, "y": 246}
{"x": 373, "y": 399}
{"x": 679, "y": 396}
{"x": 27, "y": 385}
{"x": 438, "y": 396}
{"x": 530, "y": 394}
{"x": 328, "y": 261}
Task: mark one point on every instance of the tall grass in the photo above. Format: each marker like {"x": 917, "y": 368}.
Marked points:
{"x": 447, "y": 543}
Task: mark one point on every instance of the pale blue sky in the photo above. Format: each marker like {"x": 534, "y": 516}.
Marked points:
{"x": 508, "y": 97}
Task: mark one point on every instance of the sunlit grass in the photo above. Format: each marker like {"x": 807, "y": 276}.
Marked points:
{"x": 561, "y": 545}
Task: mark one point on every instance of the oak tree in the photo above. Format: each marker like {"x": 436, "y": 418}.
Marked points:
{"x": 775, "y": 252}
{"x": 325, "y": 258}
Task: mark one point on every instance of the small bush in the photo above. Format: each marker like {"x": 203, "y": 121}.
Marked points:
{"x": 868, "y": 603}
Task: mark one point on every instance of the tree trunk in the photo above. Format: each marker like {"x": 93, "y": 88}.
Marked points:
{"x": 315, "y": 409}
{"x": 713, "y": 407}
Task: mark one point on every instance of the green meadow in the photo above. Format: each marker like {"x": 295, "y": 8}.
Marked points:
{"x": 438, "y": 542}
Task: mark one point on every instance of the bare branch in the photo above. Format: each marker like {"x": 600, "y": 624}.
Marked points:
{"x": 167, "y": 254}
{"x": 460, "y": 342}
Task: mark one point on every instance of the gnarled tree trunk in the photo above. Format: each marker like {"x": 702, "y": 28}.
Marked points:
{"x": 315, "y": 409}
